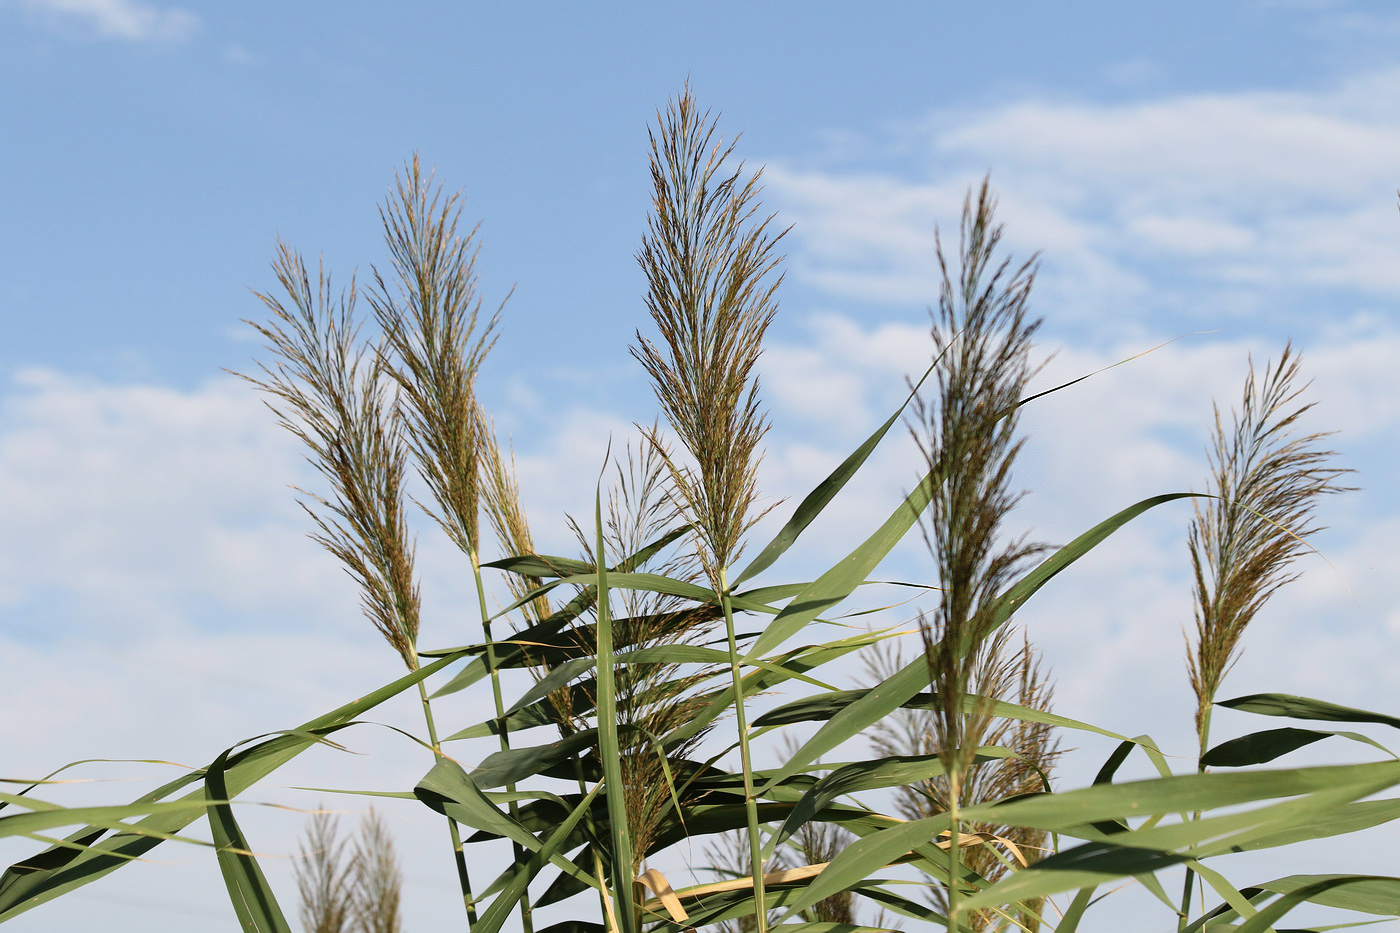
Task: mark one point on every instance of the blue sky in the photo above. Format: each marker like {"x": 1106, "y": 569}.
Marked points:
{"x": 1222, "y": 173}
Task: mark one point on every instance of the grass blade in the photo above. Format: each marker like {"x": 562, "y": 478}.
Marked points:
{"x": 253, "y": 901}
{"x": 818, "y": 499}
{"x": 1295, "y": 707}
{"x": 60, "y": 869}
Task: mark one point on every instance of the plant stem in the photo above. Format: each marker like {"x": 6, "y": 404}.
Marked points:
{"x": 609, "y": 751}
{"x": 746, "y": 763}
{"x": 1204, "y": 732}
{"x": 954, "y": 849}
{"x": 463, "y": 879}
{"x": 526, "y": 918}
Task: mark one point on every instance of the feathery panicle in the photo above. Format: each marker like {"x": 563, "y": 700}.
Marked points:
{"x": 1267, "y": 479}
{"x": 355, "y": 892}
{"x": 324, "y": 881}
{"x": 330, "y": 390}
{"x": 378, "y": 880}
{"x": 969, "y": 440}
{"x": 433, "y": 337}
{"x": 708, "y": 262}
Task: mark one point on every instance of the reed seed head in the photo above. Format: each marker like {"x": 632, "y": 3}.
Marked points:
{"x": 968, "y": 435}
{"x": 1266, "y": 480}
{"x": 435, "y": 343}
{"x": 330, "y": 389}
{"x": 708, "y": 262}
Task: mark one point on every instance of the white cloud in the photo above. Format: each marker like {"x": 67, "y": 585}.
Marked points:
{"x": 128, "y": 20}
{"x": 133, "y": 504}
{"x": 1203, "y": 206}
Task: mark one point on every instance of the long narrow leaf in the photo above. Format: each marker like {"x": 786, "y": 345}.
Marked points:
{"x": 58, "y": 869}
{"x": 1295, "y": 707}
{"x": 841, "y": 580}
{"x": 253, "y": 901}
{"x": 817, "y": 500}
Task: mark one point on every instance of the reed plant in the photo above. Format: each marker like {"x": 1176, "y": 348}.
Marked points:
{"x": 353, "y": 887}
{"x": 921, "y": 799}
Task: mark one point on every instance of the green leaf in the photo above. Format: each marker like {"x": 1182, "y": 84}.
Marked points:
{"x": 517, "y": 889}
{"x": 1350, "y": 818}
{"x": 61, "y": 868}
{"x": 253, "y": 901}
{"x": 893, "y": 771}
{"x": 1149, "y": 849}
{"x": 619, "y": 851}
{"x": 1372, "y": 894}
{"x": 1294, "y": 707}
{"x": 1016, "y": 596}
{"x": 512, "y": 765}
{"x": 1369, "y": 894}
{"x": 1260, "y": 747}
{"x": 817, "y": 500}
{"x": 841, "y": 580}
{"x": 448, "y": 789}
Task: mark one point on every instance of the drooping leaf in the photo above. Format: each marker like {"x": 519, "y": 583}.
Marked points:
{"x": 63, "y": 868}
{"x": 253, "y": 901}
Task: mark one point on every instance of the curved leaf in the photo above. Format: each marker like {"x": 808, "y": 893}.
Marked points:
{"x": 817, "y": 500}
{"x": 1295, "y": 707}
{"x": 62, "y": 868}
{"x": 253, "y": 901}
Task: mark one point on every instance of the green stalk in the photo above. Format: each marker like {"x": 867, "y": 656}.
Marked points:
{"x": 746, "y": 763}
{"x": 609, "y": 748}
{"x": 954, "y": 849}
{"x": 1186, "y": 890}
{"x": 526, "y": 914}
{"x": 463, "y": 879}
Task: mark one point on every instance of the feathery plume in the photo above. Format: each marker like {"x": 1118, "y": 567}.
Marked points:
{"x": 330, "y": 390}
{"x": 969, "y": 440}
{"x": 707, "y": 262}
{"x": 435, "y": 345}
{"x": 1266, "y": 481}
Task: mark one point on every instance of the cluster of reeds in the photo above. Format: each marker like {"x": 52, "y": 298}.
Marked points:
{"x": 354, "y": 890}
{"x": 633, "y": 735}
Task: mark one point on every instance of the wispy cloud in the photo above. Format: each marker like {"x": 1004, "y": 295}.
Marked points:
{"x": 124, "y": 20}
{"x": 1206, "y": 206}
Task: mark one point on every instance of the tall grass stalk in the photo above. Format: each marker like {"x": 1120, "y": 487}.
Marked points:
{"x": 968, "y": 437}
{"x": 1266, "y": 480}
{"x": 435, "y": 343}
{"x": 708, "y": 262}
{"x": 333, "y": 392}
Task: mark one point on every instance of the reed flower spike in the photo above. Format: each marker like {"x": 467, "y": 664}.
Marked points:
{"x": 708, "y": 263}
{"x": 1266, "y": 480}
{"x": 330, "y": 389}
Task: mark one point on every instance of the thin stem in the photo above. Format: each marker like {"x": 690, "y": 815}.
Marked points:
{"x": 746, "y": 763}
{"x": 954, "y": 849}
{"x": 503, "y": 734}
{"x": 463, "y": 879}
{"x": 1203, "y": 730}
{"x": 620, "y": 836}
